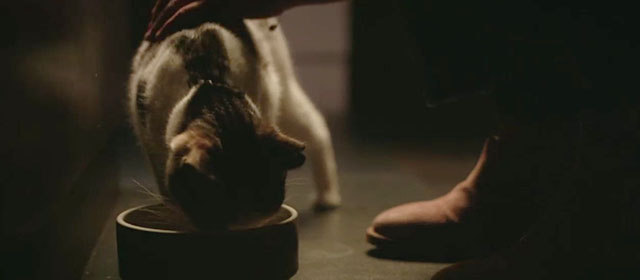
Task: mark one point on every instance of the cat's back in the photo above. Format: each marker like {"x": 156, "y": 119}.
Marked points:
{"x": 242, "y": 53}
{"x": 164, "y": 72}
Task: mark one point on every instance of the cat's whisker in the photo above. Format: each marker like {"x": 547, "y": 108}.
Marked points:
{"x": 297, "y": 182}
{"x": 296, "y": 185}
{"x": 298, "y": 178}
{"x": 147, "y": 191}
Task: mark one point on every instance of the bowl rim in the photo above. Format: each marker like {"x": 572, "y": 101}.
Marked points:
{"x": 121, "y": 221}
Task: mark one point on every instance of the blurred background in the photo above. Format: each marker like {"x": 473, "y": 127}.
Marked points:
{"x": 70, "y": 163}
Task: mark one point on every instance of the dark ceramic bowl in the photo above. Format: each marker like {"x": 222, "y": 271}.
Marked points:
{"x": 152, "y": 250}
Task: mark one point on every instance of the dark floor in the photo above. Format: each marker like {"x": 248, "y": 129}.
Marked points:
{"x": 332, "y": 245}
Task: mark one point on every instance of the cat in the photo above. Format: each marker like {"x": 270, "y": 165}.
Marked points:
{"x": 219, "y": 111}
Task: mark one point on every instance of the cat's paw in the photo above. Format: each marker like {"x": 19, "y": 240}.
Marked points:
{"x": 328, "y": 201}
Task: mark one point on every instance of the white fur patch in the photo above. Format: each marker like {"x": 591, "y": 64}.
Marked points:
{"x": 176, "y": 118}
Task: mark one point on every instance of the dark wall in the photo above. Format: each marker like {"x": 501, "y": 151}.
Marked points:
{"x": 389, "y": 82}
{"x": 541, "y": 60}
{"x": 65, "y": 65}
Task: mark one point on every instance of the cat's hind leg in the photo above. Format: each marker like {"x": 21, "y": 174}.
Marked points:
{"x": 299, "y": 118}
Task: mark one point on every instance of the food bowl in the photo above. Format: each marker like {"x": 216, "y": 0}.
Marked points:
{"x": 151, "y": 250}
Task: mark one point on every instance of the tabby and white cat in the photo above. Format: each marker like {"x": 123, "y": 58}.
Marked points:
{"x": 217, "y": 109}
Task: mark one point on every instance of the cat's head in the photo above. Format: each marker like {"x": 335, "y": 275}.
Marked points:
{"x": 225, "y": 164}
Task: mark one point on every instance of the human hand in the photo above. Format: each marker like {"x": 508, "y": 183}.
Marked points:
{"x": 169, "y": 16}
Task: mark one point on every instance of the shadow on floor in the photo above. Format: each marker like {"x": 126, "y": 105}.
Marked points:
{"x": 407, "y": 256}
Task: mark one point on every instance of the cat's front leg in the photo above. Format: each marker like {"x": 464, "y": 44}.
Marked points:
{"x": 302, "y": 120}
{"x": 323, "y": 164}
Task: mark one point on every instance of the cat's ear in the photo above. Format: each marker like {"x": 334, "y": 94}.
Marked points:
{"x": 285, "y": 150}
